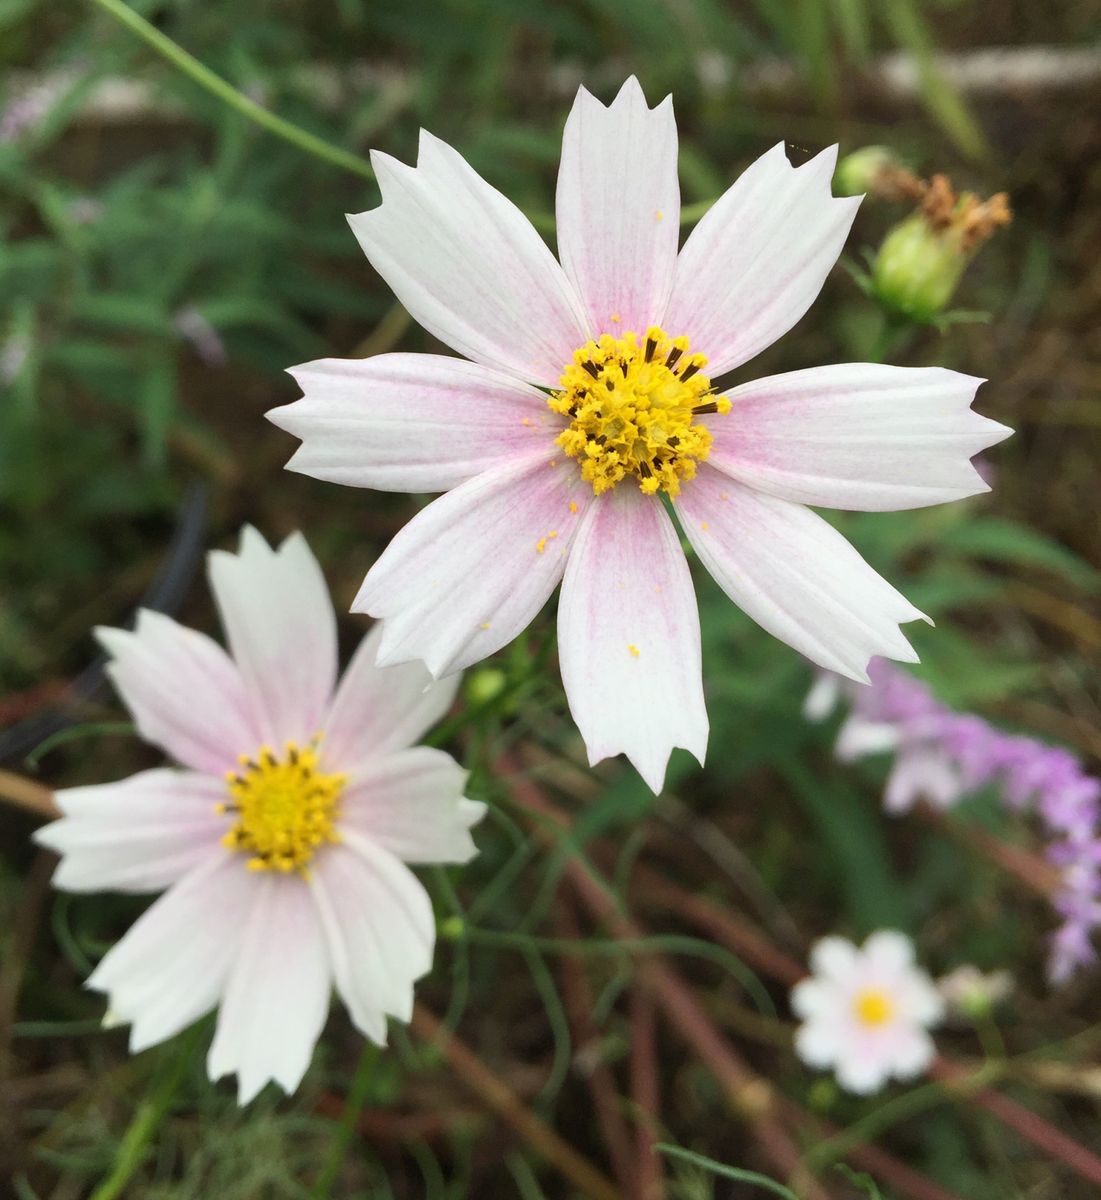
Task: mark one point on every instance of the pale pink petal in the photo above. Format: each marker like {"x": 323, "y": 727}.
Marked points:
{"x": 411, "y": 803}
{"x": 470, "y": 571}
{"x": 171, "y": 967}
{"x": 912, "y": 1051}
{"x": 817, "y": 1043}
{"x": 138, "y": 835}
{"x": 755, "y": 263}
{"x": 795, "y": 575}
{"x": 813, "y": 999}
{"x": 919, "y": 1000}
{"x": 185, "y": 694}
{"x": 921, "y": 774}
{"x": 858, "y": 737}
{"x": 277, "y": 995}
{"x": 411, "y": 422}
{"x": 468, "y": 265}
{"x": 378, "y": 710}
{"x": 618, "y": 207}
{"x": 859, "y": 435}
{"x": 889, "y": 952}
{"x": 834, "y": 958}
{"x": 823, "y": 697}
{"x": 629, "y": 636}
{"x": 379, "y": 930}
{"x": 861, "y": 1073}
{"x": 281, "y": 628}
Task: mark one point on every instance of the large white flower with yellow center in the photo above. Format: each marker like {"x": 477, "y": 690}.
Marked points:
{"x": 589, "y": 399}
{"x": 866, "y": 1011}
{"x": 283, "y": 842}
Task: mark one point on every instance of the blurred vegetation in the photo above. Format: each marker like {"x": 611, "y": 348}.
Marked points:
{"x": 163, "y": 260}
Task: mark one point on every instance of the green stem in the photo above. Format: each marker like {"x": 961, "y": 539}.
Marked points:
{"x": 228, "y": 94}
{"x": 147, "y": 1120}
{"x": 353, "y": 1106}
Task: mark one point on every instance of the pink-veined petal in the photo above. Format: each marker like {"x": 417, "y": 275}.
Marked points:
{"x": 795, "y": 575}
{"x": 629, "y": 636}
{"x": 618, "y": 208}
{"x": 277, "y": 995}
{"x": 184, "y": 692}
{"x": 411, "y": 803}
{"x": 469, "y": 266}
{"x": 281, "y": 628}
{"x": 410, "y": 422}
{"x": 857, "y": 435}
{"x": 471, "y": 570}
{"x": 379, "y": 930}
{"x": 757, "y": 260}
{"x": 379, "y": 710}
{"x": 171, "y": 967}
{"x": 138, "y": 835}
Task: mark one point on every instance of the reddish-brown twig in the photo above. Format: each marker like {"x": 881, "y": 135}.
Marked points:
{"x": 26, "y": 794}
{"x": 498, "y": 1096}
{"x": 646, "y": 1095}
{"x": 588, "y": 1058}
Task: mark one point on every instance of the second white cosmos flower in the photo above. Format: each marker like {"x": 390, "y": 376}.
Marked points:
{"x": 281, "y": 847}
{"x": 589, "y": 395}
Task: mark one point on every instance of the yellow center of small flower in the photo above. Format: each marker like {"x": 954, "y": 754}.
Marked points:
{"x": 874, "y": 1007}
{"x": 285, "y": 808}
{"x": 632, "y": 407}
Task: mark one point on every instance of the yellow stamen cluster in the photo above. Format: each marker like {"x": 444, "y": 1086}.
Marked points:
{"x": 285, "y": 808}
{"x": 874, "y": 1007}
{"x": 632, "y": 407}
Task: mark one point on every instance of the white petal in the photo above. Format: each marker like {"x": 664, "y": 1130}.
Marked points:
{"x": 468, "y": 265}
{"x": 277, "y": 996}
{"x": 171, "y": 967}
{"x": 823, "y": 697}
{"x": 282, "y": 631}
{"x": 858, "y": 737}
{"x": 138, "y": 835}
{"x": 816, "y": 999}
{"x": 379, "y": 930}
{"x": 859, "y": 435}
{"x": 379, "y": 710}
{"x": 755, "y": 263}
{"x": 861, "y": 1074}
{"x": 817, "y": 1043}
{"x": 185, "y": 694}
{"x": 471, "y": 570}
{"x": 921, "y": 774}
{"x": 411, "y": 422}
{"x": 912, "y": 1053}
{"x": 795, "y": 575}
{"x": 618, "y": 208}
{"x": 919, "y": 999}
{"x": 629, "y": 636}
{"x": 411, "y": 804}
{"x": 889, "y": 951}
{"x": 834, "y": 958}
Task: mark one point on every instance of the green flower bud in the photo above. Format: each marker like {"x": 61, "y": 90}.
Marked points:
{"x": 485, "y": 685}
{"x": 918, "y": 267}
{"x": 451, "y": 929}
{"x": 857, "y": 172}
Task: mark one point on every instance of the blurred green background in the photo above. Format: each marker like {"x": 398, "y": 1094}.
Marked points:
{"x": 163, "y": 259}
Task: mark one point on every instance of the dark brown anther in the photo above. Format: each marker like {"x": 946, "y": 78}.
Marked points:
{"x": 673, "y": 443}
{"x": 609, "y": 385}
{"x": 623, "y": 367}
{"x": 710, "y": 407}
{"x": 644, "y": 470}
{"x": 674, "y": 356}
{"x": 651, "y": 346}
{"x": 591, "y": 367}
{"x": 689, "y": 371}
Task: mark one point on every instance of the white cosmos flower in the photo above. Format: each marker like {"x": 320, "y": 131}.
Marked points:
{"x": 866, "y": 1012}
{"x": 282, "y": 842}
{"x": 589, "y": 393}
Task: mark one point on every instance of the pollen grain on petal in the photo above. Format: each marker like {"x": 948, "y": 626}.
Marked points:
{"x": 633, "y": 650}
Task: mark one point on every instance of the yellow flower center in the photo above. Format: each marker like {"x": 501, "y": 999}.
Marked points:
{"x": 874, "y": 1007}
{"x": 632, "y": 407}
{"x": 285, "y": 808}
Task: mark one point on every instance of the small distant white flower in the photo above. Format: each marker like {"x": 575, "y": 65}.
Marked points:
{"x": 590, "y": 394}
{"x": 866, "y": 1011}
{"x": 970, "y": 993}
{"x": 283, "y": 842}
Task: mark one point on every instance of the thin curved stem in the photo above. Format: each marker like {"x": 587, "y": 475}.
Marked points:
{"x": 228, "y": 94}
